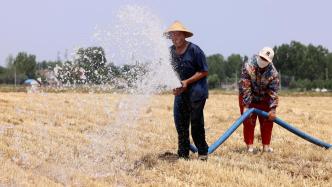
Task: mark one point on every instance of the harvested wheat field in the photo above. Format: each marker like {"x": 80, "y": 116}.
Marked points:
{"x": 82, "y": 139}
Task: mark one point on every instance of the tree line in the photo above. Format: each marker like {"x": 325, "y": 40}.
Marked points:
{"x": 300, "y": 67}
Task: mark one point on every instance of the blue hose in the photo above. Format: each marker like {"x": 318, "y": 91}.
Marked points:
{"x": 295, "y": 130}
{"x": 245, "y": 115}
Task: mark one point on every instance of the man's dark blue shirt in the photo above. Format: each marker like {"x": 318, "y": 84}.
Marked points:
{"x": 186, "y": 65}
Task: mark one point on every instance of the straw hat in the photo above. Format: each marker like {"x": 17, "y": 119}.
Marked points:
{"x": 178, "y": 26}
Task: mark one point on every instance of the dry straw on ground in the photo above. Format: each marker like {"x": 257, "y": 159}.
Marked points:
{"x": 50, "y": 139}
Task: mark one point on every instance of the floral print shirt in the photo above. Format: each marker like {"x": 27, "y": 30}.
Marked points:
{"x": 258, "y": 84}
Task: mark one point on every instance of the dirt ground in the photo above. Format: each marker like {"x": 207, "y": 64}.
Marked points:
{"x": 76, "y": 139}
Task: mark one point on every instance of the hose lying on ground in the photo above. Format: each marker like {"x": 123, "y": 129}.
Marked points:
{"x": 280, "y": 122}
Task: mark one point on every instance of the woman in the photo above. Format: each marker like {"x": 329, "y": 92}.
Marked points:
{"x": 258, "y": 88}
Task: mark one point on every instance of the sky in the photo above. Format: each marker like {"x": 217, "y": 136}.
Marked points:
{"x": 47, "y": 28}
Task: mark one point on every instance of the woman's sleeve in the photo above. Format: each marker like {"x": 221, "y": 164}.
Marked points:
{"x": 273, "y": 91}
{"x": 246, "y": 85}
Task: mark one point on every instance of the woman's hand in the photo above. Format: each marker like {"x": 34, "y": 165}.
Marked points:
{"x": 272, "y": 115}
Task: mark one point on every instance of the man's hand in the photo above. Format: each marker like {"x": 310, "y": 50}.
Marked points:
{"x": 178, "y": 91}
{"x": 184, "y": 84}
{"x": 272, "y": 115}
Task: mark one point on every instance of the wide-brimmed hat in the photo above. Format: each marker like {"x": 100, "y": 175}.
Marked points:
{"x": 178, "y": 26}
{"x": 267, "y": 53}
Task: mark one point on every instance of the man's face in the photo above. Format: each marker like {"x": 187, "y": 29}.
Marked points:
{"x": 178, "y": 38}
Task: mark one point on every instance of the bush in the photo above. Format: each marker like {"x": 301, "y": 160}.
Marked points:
{"x": 306, "y": 84}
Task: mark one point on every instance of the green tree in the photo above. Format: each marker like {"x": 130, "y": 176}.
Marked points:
{"x": 68, "y": 73}
{"x": 50, "y": 65}
{"x": 89, "y": 67}
{"x": 25, "y": 64}
{"x": 93, "y": 62}
{"x": 328, "y": 70}
{"x": 233, "y": 65}
{"x": 2, "y": 70}
{"x": 315, "y": 63}
{"x": 289, "y": 58}
{"x": 213, "y": 81}
{"x": 217, "y": 65}
{"x": 302, "y": 63}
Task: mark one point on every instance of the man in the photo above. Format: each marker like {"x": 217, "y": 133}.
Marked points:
{"x": 258, "y": 88}
{"x": 189, "y": 63}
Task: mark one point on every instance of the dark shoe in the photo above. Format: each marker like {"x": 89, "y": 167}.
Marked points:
{"x": 203, "y": 157}
{"x": 185, "y": 157}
